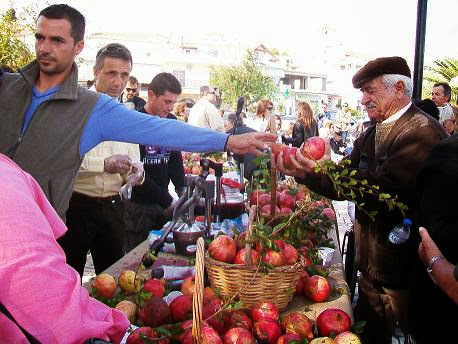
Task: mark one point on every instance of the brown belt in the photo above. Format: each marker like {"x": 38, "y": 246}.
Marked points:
{"x": 109, "y": 199}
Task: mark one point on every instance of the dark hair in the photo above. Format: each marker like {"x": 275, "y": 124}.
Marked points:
{"x": 133, "y": 80}
{"x": 428, "y": 106}
{"x": 63, "y": 11}
{"x": 446, "y": 87}
{"x": 113, "y": 50}
{"x": 164, "y": 82}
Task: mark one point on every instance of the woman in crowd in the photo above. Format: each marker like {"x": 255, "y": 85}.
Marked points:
{"x": 261, "y": 119}
{"x": 182, "y": 112}
{"x": 304, "y": 128}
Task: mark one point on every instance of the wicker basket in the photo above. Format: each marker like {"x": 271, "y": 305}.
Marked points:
{"x": 252, "y": 284}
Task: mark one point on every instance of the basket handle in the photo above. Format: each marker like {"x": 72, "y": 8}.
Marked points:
{"x": 249, "y": 233}
{"x": 198, "y": 296}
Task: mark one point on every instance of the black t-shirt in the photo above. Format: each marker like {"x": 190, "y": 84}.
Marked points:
{"x": 161, "y": 165}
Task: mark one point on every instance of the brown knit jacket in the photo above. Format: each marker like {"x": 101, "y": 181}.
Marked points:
{"x": 394, "y": 170}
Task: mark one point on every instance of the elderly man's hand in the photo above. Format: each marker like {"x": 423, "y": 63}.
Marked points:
{"x": 302, "y": 164}
{"x": 117, "y": 163}
{"x": 427, "y": 248}
{"x": 250, "y": 142}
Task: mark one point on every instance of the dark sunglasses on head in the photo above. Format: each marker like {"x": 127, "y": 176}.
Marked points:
{"x": 131, "y": 89}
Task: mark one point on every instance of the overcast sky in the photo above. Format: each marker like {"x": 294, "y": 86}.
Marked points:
{"x": 380, "y": 28}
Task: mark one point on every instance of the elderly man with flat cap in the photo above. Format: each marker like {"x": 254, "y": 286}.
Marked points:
{"x": 388, "y": 154}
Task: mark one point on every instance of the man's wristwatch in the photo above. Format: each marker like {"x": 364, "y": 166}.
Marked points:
{"x": 429, "y": 269}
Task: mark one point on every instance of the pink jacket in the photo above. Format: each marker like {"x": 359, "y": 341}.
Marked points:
{"x": 39, "y": 289}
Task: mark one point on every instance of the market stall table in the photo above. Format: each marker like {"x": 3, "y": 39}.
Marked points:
{"x": 299, "y": 303}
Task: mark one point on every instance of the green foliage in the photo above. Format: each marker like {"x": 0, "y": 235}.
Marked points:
{"x": 443, "y": 70}
{"x": 14, "y": 53}
{"x": 350, "y": 188}
{"x": 247, "y": 79}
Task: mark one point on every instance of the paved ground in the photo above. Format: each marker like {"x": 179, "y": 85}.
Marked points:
{"x": 344, "y": 223}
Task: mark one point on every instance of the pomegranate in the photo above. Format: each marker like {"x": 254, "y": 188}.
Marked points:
{"x": 105, "y": 285}
{"x": 263, "y": 199}
{"x": 289, "y": 338}
{"x": 142, "y": 334}
{"x": 208, "y": 335}
{"x": 314, "y": 148}
{"x": 155, "y": 286}
{"x": 196, "y": 169}
{"x": 181, "y": 308}
{"x": 277, "y": 148}
{"x": 323, "y": 340}
{"x": 155, "y": 312}
{"x": 286, "y": 200}
{"x": 300, "y": 283}
{"x": 186, "y": 336}
{"x": 222, "y": 248}
{"x": 300, "y": 195}
{"x": 267, "y": 330}
{"x": 240, "y": 257}
{"x": 317, "y": 288}
{"x": 290, "y": 254}
{"x": 255, "y": 195}
{"x": 187, "y": 287}
{"x": 280, "y": 243}
{"x": 274, "y": 258}
{"x": 238, "y": 335}
{"x": 266, "y": 210}
{"x": 347, "y": 338}
{"x": 264, "y": 310}
{"x": 209, "y": 294}
{"x": 298, "y": 323}
{"x": 128, "y": 282}
{"x": 217, "y": 321}
{"x": 129, "y": 309}
{"x": 329, "y": 213}
{"x": 285, "y": 211}
{"x": 333, "y": 321}
{"x": 239, "y": 318}
{"x": 287, "y": 163}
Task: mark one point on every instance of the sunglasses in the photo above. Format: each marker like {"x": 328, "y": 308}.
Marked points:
{"x": 270, "y": 108}
{"x": 131, "y": 89}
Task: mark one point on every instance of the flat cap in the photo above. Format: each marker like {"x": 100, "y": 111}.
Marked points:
{"x": 380, "y": 66}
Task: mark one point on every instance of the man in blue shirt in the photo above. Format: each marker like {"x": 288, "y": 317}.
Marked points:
{"x": 49, "y": 122}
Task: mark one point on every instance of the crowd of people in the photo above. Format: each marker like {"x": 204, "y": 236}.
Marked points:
{"x": 89, "y": 170}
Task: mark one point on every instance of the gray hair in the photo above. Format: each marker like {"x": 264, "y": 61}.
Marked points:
{"x": 389, "y": 80}
{"x": 204, "y": 90}
{"x": 113, "y": 50}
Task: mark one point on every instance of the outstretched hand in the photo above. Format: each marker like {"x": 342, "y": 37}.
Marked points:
{"x": 250, "y": 142}
{"x": 427, "y": 248}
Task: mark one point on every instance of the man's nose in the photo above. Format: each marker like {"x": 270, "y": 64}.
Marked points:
{"x": 365, "y": 98}
{"x": 44, "y": 47}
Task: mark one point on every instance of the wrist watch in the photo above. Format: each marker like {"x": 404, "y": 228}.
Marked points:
{"x": 429, "y": 269}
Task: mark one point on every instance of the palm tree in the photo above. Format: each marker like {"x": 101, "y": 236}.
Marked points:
{"x": 443, "y": 70}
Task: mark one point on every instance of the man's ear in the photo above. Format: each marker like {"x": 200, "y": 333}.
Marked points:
{"x": 400, "y": 88}
{"x": 78, "y": 47}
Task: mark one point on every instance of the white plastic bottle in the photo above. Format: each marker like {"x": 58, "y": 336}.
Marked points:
{"x": 400, "y": 233}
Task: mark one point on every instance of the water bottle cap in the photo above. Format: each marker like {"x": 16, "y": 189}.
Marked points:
{"x": 407, "y": 222}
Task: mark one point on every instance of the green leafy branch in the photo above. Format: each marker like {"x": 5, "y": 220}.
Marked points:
{"x": 349, "y": 187}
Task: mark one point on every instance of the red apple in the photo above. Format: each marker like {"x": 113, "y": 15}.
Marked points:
{"x": 238, "y": 335}
{"x": 264, "y": 310}
{"x": 155, "y": 286}
{"x": 274, "y": 258}
{"x": 267, "y": 330}
{"x": 298, "y": 323}
{"x": 289, "y": 338}
{"x": 105, "y": 285}
{"x": 187, "y": 287}
{"x": 241, "y": 255}
{"x": 222, "y": 248}
{"x": 181, "y": 308}
{"x": 314, "y": 148}
{"x": 333, "y": 321}
{"x": 317, "y": 288}
{"x": 290, "y": 254}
